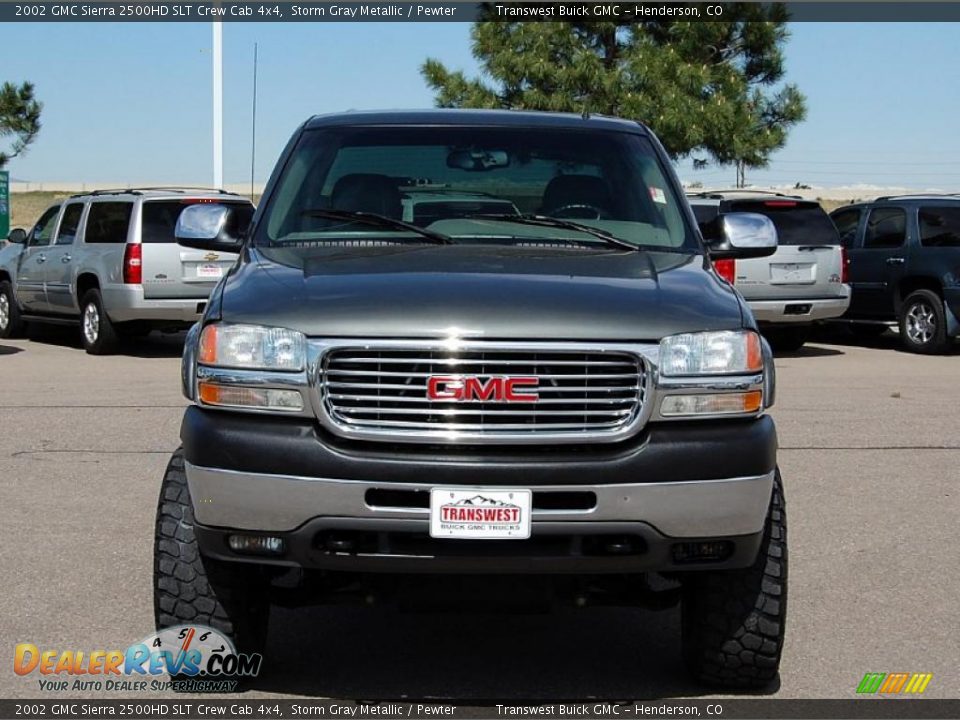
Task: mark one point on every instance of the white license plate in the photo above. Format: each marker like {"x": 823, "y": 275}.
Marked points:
{"x": 792, "y": 273}
{"x": 209, "y": 270}
{"x": 479, "y": 513}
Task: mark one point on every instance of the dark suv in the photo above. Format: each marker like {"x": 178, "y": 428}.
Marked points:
{"x": 485, "y": 345}
{"x": 904, "y": 256}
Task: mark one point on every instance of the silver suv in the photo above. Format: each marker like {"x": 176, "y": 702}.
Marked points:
{"x": 803, "y": 282}
{"x": 108, "y": 260}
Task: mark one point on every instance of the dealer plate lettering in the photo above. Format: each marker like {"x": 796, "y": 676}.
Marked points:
{"x": 480, "y": 513}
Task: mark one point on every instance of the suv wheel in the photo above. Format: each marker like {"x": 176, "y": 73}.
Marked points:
{"x": 96, "y": 330}
{"x": 189, "y": 588}
{"x": 787, "y": 339}
{"x": 923, "y": 324}
{"x": 733, "y": 620}
{"x": 11, "y": 325}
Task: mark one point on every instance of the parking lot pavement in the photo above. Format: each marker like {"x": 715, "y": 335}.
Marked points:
{"x": 869, "y": 457}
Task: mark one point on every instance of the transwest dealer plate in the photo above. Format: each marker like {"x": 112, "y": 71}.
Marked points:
{"x": 479, "y": 513}
{"x": 210, "y": 270}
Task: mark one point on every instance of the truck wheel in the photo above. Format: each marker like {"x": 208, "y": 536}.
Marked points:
{"x": 189, "y": 588}
{"x": 11, "y": 324}
{"x": 923, "y": 324}
{"x": 733, "y": 620}
{"x": 96, "y": 330}
{"x": 787, "y": 339}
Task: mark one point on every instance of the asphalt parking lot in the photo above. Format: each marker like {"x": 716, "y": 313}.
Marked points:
{"x": 870, "y": 457}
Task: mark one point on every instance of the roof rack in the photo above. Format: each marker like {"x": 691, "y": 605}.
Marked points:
{"x": 164, "y": 188}
{"x": 917, "y": 195}
{"x": 709, "y": 193}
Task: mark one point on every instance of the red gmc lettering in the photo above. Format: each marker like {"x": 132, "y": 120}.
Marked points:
{"x": 471, "y": 388}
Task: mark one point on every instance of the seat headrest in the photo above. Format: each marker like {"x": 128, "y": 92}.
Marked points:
{"x": 566, "y": 190}
{"x": 367, "y": 192}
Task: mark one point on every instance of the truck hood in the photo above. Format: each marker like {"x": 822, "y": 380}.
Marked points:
{"x": 480, "y": 291}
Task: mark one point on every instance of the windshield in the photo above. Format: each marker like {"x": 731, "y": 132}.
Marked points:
{"x": 468, "y": 183}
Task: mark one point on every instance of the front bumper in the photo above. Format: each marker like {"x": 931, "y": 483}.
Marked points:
{"x": 124, "y": 303}
{"x": 799, "y": 310}
{"x": 673, "y": 484}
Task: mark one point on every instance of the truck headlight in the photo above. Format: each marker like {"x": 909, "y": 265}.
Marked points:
{"x": 252, "y": 347}
{"x": 725, "y": 352}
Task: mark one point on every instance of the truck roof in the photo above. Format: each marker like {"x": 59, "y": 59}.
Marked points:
{"x": 487, "y": 118}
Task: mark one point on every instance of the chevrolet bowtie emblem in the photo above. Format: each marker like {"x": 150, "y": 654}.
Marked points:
{"x": 211, "y": 256}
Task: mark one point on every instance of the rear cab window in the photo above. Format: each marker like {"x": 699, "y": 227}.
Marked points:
{"x": 108, "y": 223}
{"x": 798, "y": 222}
{"x": 159, "y": 217}
{"x": 940, "y": 226}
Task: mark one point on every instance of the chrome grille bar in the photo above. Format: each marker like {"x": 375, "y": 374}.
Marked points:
{"x": 378, "y": 391}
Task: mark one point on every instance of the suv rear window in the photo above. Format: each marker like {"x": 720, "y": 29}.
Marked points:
{"x": 107, "y": 222}
{"x": 797, "y": 223}
{"x": 160, "y": 218}
{"x": 940, "y": 226}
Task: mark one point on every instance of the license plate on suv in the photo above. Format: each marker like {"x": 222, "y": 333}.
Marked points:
{"x": 792, "y": 273}
{"x": 480, "y": 514}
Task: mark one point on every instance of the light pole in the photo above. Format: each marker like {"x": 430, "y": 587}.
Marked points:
{"x": 218, "y": 104}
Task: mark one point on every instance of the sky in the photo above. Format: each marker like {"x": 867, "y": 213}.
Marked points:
{"x": 131, "y": 103}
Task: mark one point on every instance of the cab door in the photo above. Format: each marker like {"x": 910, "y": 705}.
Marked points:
{"x": 878, "y": 263}
{"x": 31, "y": 265}
{"x": 58, "y": 277}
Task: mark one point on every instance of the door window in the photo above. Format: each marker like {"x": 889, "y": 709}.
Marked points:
{"x": 886, "y": 228}
{"x": 43, "y": 230}
{"x": 847, "y": 222}
{"x": 70, "y": 224}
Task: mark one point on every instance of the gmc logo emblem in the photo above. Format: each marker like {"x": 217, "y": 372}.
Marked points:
{"x": 470, "y": 388}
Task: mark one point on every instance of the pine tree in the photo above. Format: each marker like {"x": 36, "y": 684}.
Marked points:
{"x": 19, "y": 117}
{"x": 708, "y": 88}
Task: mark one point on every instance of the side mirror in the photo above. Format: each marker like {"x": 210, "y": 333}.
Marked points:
{"x": 212, "y": 227}
{"x": 742, "y": 236}
{"x": 18, "y": 236}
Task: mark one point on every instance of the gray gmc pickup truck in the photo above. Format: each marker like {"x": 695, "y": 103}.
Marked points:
{"x": 482, "y": 344}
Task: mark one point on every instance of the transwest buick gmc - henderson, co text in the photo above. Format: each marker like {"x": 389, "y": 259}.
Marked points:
{"x": 482, "y": 344}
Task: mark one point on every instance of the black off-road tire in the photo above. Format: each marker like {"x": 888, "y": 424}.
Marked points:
{"x": 733, "y": 620}
{"x": 14, "y": 327}
{"x": 189, "y": 588}
{"x": 105, "y": 340}
{"x": 787, "y": 339}
{"x": 929, "y": 303}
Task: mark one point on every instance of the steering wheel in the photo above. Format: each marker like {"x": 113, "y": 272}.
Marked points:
{"x": 578, "y": 211}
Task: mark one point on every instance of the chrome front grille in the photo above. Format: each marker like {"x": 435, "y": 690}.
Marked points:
{"x": 382, "y": 393}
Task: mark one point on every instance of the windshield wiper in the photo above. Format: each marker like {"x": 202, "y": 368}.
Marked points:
{"x": 377, "y": 220}
{"x": 546, "y": 221}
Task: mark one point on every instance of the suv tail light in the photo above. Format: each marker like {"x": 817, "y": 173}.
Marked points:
{"x": 844, "y": 266}
{"x": 133, "y": 264}
{"x": 727, "y": 269}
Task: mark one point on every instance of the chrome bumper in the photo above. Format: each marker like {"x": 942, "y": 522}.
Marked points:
{"x": 126, "y": 303}
{"x": 775, "y": 311}
{"x": 281, "y": 503}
